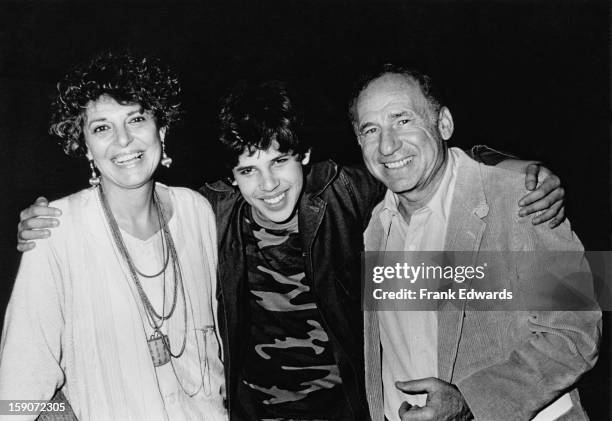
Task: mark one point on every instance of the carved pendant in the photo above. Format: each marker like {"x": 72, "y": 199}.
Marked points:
{"x": 159, "y": 346}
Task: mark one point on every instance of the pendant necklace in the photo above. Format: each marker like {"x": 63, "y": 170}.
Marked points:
{"x": 158, "y": 343}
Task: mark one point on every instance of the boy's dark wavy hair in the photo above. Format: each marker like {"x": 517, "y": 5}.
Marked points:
{"x": 253, "y": 116}
{"x": 127, "y": 79}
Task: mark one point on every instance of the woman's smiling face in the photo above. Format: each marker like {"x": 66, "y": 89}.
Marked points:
{"x": 123, "y": 141}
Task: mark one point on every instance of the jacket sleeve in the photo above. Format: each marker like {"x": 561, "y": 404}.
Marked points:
{"x": 31, "y": 348}
{"x": 487, "y": 155}
{"x": 365, "y": 190}
{"x": 210, "y": 195}
{"x": 556, "y": 347}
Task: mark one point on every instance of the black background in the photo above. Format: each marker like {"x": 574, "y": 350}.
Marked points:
{"x": 527, "y": 76}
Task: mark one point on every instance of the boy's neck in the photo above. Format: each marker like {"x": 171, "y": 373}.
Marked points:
{"x": 266, "y": 223}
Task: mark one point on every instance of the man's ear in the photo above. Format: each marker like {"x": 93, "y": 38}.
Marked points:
{"x": 306, "y": 158}
{"x": 445, "y": 123}
{"x": 356, "y": 132}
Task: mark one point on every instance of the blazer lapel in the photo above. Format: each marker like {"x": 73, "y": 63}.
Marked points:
{"x": 464, "y": 233}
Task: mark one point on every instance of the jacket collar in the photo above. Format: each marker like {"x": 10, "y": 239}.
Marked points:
{"x": 221, "y": 186}
{"x": 468, "y": 208}
{"x": 311, "y": 207}
{"x": 319, "y": 176}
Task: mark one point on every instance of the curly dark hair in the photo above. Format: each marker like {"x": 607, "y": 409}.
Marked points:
{"x": 253, "y": 116}
{"x": 429, "y": 89}
{"x": 127, "y": 79}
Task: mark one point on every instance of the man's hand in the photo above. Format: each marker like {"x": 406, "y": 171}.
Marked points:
{"x": 444, "y": 401}
{"x": 32, "y": 226}
{"x": 546, "y": 196}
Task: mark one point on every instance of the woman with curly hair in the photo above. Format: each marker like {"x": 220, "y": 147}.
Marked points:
{"x": 117, "y": 309}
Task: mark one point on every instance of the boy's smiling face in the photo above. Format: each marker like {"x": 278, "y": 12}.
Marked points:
{"x": 271, "y": 181}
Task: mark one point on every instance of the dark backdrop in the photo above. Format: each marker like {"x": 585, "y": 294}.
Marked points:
{"x": 527, "y": 76}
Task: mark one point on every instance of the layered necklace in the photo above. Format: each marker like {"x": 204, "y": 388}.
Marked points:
{"x": 158, "y": 342}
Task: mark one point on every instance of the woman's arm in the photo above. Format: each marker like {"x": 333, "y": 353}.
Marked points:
{"x": 31, "y": 348}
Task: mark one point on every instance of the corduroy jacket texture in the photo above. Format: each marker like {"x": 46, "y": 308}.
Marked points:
{"x": 508, "y": 365}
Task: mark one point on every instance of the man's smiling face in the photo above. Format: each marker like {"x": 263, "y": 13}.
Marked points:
{"x": 398, "y": 135}
{"x": 271, "y": 181}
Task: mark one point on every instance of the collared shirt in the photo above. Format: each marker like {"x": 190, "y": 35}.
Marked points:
{"x": 410, "y": 338}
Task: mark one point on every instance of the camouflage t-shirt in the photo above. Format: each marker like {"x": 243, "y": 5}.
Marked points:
{"x": 289, "y": 368}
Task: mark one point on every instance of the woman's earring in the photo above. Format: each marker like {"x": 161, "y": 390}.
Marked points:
{"x": 94, "y": 180}
{"x": 166, "y": 160}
